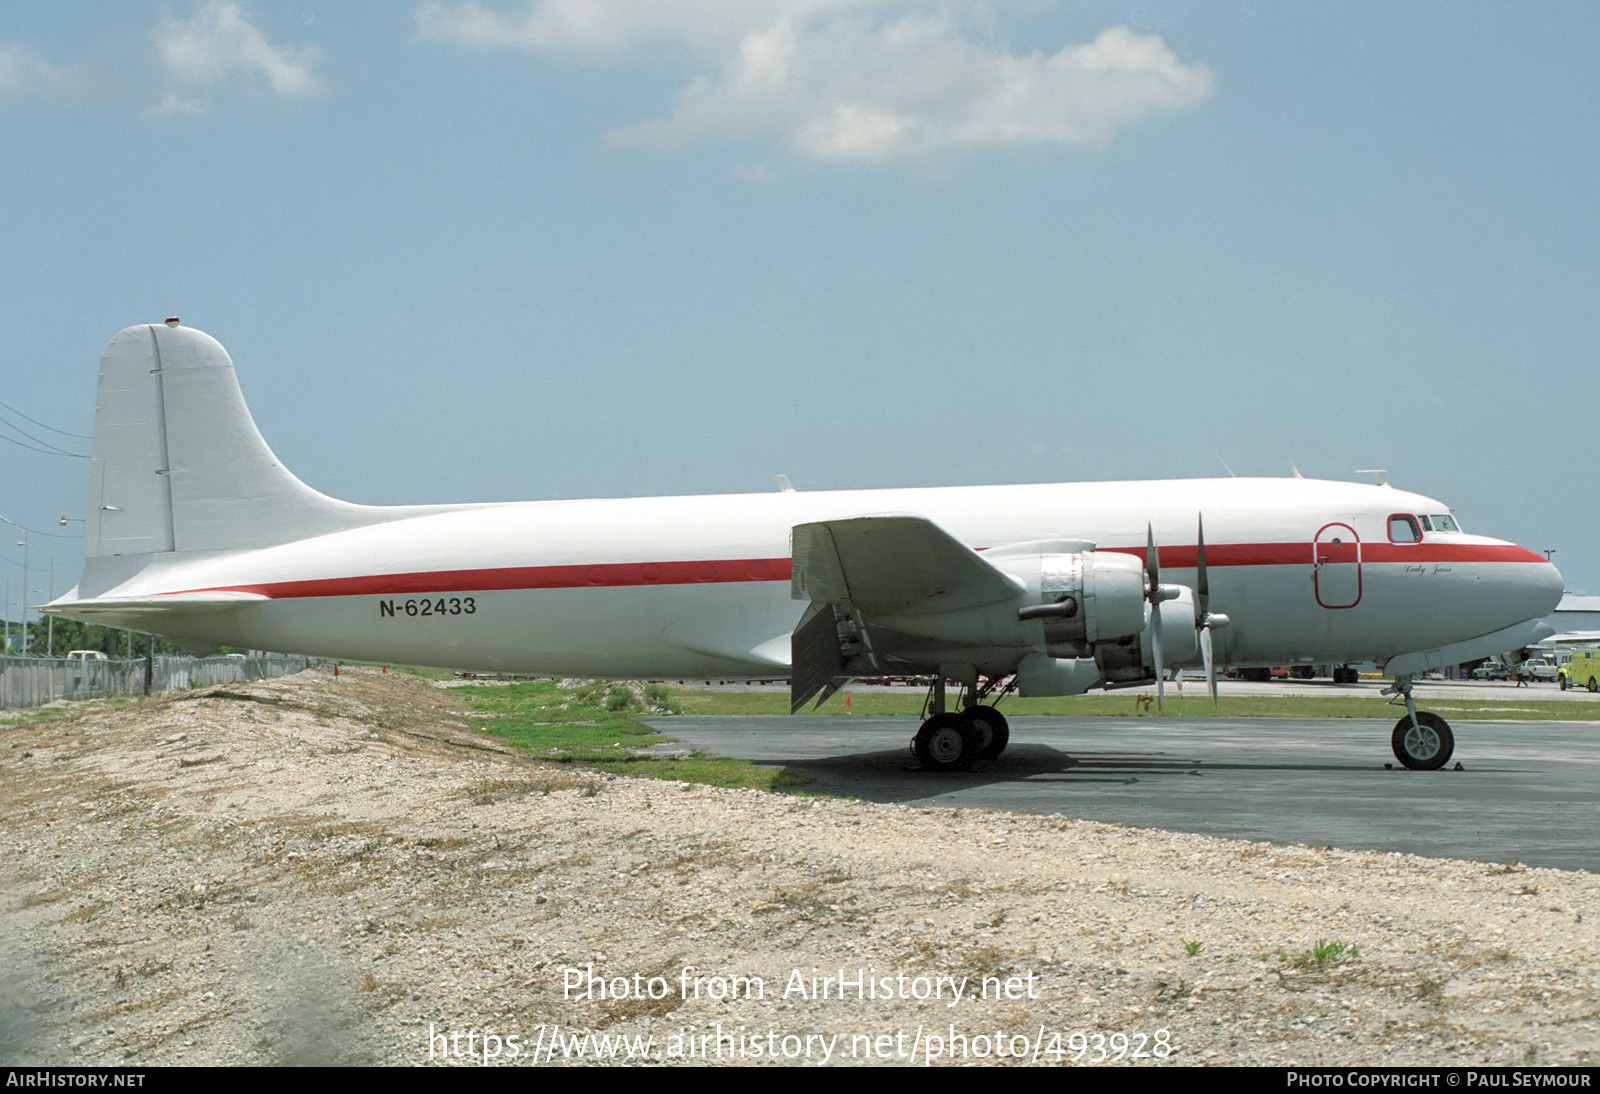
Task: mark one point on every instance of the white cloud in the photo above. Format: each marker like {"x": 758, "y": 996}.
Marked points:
{"x": 23, "y": 71}
{"x": 853, "y": 80}
{"x": 219, "y": 47}
{"x": 608, "y": 26}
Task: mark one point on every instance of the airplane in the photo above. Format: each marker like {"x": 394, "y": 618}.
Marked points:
{"x": 196, "y": 532}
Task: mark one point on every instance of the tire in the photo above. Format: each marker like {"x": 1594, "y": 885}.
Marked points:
{"x": 1427, "y": 746}
{"x": 946, "y": 742}
{"x": 1562, "y": 681}
{"x": 994, "y": 732}
{"x": 1593, "y": 686}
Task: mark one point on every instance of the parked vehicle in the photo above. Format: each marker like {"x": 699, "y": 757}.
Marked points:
{"x": 1261, "y": 676}
{"x": 1538, "y": 668}
{"x": 1579, "y": 669}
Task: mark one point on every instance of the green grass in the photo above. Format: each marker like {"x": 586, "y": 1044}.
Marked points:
{"x": 1323, "y": 953}
{"x": 426, "y": 674}
{"x": 593, "y": 724}
{"x": 1191, "y": 703}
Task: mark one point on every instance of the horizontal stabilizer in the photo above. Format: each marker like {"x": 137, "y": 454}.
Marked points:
{"x": 152, "y": 607}
{"x": 892, "y": 565}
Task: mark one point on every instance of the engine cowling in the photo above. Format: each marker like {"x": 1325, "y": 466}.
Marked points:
{"x": 1083, "y": 598}
{"x": 1096, "y": 619}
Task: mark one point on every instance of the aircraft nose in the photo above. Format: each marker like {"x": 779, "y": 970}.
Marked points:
{"x": 1544, "y": 589}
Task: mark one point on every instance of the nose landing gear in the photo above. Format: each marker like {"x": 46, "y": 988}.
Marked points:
{"x": 1422, "y": 740}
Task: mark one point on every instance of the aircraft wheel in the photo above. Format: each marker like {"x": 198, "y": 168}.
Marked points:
{"x": 1425, "y": 746}
{"x": 946, "y": 742}
{"x": 994, "y": 732}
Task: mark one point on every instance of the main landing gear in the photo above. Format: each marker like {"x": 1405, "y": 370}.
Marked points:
{"x": 954, "y": 741}
{"x": 1422, "y": 740}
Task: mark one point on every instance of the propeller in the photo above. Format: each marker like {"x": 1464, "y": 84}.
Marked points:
{"x": 1206, "y": 620}
{"x": 1155, "y": 593}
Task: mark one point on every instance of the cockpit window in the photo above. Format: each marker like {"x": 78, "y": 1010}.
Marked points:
{"x": 1427, "y": 524}
{"x": 1403, "y": 529}
{"x": 1444, "y": 522}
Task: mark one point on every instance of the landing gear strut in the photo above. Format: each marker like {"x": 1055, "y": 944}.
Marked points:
{"x": 952, "y": 741}
{"x": 1422, "y": 740}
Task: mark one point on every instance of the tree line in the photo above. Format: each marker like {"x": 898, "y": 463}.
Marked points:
{"x": 57, "y": 640}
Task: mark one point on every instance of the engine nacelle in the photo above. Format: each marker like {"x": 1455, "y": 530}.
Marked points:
{"x": 1083, "y": 598}
{"x": 1098, "y": 623}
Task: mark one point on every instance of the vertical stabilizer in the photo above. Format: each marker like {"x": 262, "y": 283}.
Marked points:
{"x": 178, "y": 464}
{"x": 130, "y": 498}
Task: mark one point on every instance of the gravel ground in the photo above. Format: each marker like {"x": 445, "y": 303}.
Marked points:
{"x": 332, "y": 870}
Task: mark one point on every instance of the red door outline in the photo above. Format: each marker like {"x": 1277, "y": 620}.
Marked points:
{"x": 1336, "y": 566}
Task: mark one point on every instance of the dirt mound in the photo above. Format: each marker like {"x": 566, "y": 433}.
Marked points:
{"x": 313, "y": 869}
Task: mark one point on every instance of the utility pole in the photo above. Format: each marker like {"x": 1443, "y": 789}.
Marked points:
{"x": 24, "y": 546}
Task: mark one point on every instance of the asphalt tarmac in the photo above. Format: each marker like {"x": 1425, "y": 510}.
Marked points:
{"x": 1528, "y": 791}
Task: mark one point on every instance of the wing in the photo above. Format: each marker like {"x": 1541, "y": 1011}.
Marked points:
{"x": 860, "y": 569}
{"x": 892, "y": 565}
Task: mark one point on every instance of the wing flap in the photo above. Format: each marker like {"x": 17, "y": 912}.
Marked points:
{"x": 815, "y": 655}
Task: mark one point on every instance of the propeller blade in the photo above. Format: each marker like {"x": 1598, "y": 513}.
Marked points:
{"x": 1202, "y": 583}
{"x": 1211, "y": 665}
{"x": 1152, "y": 573}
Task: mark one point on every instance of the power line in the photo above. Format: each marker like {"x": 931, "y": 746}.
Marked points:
{"x": 48, "y": 449}
{"x": 37, "y": 422}
{"x": 36, "y": 532}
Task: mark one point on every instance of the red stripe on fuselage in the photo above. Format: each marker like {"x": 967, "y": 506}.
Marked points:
{"x": 585, "y": 576}
{"x": 1300, "y": 554}
{"x": 726, "y": 571}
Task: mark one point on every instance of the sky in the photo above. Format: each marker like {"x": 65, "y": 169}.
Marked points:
{"x": 519, "y": 249}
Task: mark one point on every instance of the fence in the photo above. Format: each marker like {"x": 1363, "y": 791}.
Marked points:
{"x": 35, "y": 681}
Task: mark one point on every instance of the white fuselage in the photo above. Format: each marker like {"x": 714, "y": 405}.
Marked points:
{"x": 684, "y": 587}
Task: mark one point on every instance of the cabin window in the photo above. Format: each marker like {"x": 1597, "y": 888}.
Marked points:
{"x": 1403, "y": 529}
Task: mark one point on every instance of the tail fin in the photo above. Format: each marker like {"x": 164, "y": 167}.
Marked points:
{"x": 178, "y": 464}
